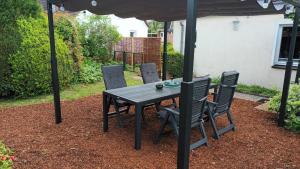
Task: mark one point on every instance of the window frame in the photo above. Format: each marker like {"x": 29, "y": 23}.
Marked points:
{"x": 277, "y": 44}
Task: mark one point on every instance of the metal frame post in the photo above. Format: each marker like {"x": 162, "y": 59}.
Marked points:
{"x": 187, "y": 87}
{"x": 288, "y": 70}
{"x": 54, "y": 70}
{"x": 165, "y": 52}
{"x": 124, "y": 60}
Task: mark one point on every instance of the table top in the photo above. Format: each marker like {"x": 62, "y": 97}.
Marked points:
{"x": 146, "y": 93}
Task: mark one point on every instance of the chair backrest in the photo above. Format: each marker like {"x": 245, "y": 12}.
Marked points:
{"x": 149, "y": 73}
{"x": 113, "y": 76}
{"x": 200, "y": 94}
{"x": 226, "y": 91}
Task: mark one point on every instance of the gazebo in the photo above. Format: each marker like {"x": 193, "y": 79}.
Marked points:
{"x": 166, "y": 11}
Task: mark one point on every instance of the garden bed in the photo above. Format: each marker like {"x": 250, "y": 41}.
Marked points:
{"x": 80, "y": 143}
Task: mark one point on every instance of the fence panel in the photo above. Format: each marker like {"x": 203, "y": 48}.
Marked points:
{"x": 139, "y": 50}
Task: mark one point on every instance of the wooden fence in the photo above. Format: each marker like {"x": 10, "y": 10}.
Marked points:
{"x": 135, "y": 51}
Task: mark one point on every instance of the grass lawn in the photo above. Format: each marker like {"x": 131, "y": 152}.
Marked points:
{"x": 72, "y": 93}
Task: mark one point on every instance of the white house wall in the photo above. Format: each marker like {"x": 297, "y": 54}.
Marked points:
{"x": 246, "y": 47}
{"x": 125, "y": 26}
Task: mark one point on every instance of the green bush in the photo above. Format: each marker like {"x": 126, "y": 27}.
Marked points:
{"x": 98, "y": 36}
{"x": 66, "y": 27}
{"x": 90, "y": 72}
{"x": 6, "y": 157}
{"x": 293, "y": 107}
{"x": 175, "y": 64}
{"x": 30, "y": 65}
{"x": 10, "y": 12}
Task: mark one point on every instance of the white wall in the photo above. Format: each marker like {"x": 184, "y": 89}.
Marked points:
{"x": 124, "y": 26}
{"x": 247, "y": 48}
{"x": 130, "y": 24}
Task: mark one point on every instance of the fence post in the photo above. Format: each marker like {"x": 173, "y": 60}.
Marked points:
{"x": 114, "y": 56}
{"x": 124, "y": 60}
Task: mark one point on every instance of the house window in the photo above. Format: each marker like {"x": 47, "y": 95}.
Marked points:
{"x": 161, "y": 34}
{"x": 132, "y": 33}
{"x": 283, "y": 44}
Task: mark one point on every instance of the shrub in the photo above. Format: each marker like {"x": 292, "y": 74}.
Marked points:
{"x": 175, "y": 64}
{"x": 293, "y": 107}
{"x": 30, "y": 65}
{"x": 90, "y": 72}
{"x": 66, "y": 27}
{"x": 6, "y": 157}
{"x": 98, "y": 36}
{"x": 10, "y": 12}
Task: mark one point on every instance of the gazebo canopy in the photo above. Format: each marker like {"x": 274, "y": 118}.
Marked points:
{"x": 168, "y": 10}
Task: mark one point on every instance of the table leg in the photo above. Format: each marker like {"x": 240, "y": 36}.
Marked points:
{"x": 105, "y": 112}
{"x": 138, "y": 126}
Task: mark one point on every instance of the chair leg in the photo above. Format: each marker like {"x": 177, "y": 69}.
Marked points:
{"x": 174, "y": 102}
{"x": 174, "y": 126}
{"x": 203, "y": 140}
{"x": 161, "y": 130}
{"x": 157, "y": 106}
{"x": 202, "y": 131}
{"x": 230, "y": 119}
{"x": 120, "y": 120}
{"x": 214, "y": 126}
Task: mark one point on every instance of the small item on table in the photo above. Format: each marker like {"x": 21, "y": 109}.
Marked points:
{"x": 159, "y": 86}
{"x": 172, "y": 83}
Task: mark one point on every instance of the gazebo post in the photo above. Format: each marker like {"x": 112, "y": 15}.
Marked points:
{"x": 55, "y": 80}
{"x": 187, "y": 87}
{"x": 165, "y": 52}
{"x": 288, "y": 70}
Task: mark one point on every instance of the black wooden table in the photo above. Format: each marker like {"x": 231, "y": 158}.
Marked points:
{"x": 139, "y": 96}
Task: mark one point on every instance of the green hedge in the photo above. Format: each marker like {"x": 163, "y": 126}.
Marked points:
{"x": 175, "y": 64}
{"x": 30, "y": 65}
{"x": 10, "y": 12}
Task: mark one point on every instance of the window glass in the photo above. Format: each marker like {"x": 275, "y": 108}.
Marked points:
{"x": 285, "y": 43}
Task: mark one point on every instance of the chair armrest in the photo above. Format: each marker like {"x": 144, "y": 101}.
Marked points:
{"x": 213, "y": 103}
{"x": 201, "y": 100}
{"x": 169, "y": 110}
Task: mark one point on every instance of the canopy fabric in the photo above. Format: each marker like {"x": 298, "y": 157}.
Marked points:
{"x": 167, "y": 10}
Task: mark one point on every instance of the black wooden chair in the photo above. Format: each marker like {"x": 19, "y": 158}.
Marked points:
{"x": 222, "y": 102}
{"x": 150, "y": 75}
{"x": 114, "y": 78}
{"x": 171, "y": 116}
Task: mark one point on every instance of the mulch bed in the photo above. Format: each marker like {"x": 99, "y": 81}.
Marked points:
{"x": 79, "y": 141}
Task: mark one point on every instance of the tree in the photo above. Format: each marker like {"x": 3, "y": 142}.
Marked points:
{"x": 98, "y": 36}
{"x": 66, "y": 27}
{"x": 154, "y": 26}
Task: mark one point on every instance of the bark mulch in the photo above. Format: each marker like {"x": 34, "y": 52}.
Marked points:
{"x": 80, "y": 143}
